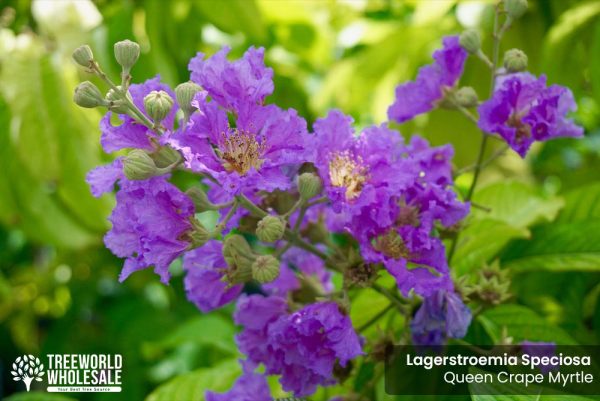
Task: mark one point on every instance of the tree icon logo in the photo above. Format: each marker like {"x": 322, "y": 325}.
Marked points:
{"x": 27, "y": 368}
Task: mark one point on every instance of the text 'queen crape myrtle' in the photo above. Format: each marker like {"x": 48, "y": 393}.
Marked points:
{"x": 307, "y": 217}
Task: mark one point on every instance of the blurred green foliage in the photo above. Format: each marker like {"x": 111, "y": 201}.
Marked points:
{"x": 58, "y": 285}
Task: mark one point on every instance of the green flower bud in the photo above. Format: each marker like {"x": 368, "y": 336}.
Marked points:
{"x": 470, "y": 41}
{"x": 127, "y": 54}
{"x": 200, "y": 200}
{"x": 138, "y": 165}
{"x": 515, "y": 8}
{"x": 199, "y": 235}
{"x": 239, "y": 257}
{"x": 158, "y": 104}
{"x": 270, "y": 229}
{"x": 116, "y": 103}
{"x": 466, "y": 97}
{"x": 309, "y": 185}
{"x": 165, "y": 156}
{"x": 185, "y": 94}
{"x": 88, "y": 95}
{"x": 265, "y": 269}
{"x": 515, "y": 60}
{"x": 237, "y": 251}
{"x": 83, "y": 56}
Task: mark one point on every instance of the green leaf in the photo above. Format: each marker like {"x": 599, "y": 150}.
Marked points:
{"x": 516, "y": 204}
{"x": 557, "y": 247}
{"x": 193, "y": 385}
{"x": 235, "y": 16}
{"x": 213, "y": 330}
{"x": 481, "y": 241}
{"x": 581, "y": 204}
{"x": 521, "y": 324}
{"x": 48, "y": 149}
{"x": 38, "y": 396}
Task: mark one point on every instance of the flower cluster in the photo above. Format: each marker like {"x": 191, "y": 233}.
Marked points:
{"x": 305, "y": 215}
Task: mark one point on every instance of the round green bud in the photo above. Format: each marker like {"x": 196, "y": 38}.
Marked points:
{"x": 138, "y": 165}
{"x": 88, "y": 95}
{"x": 515, "y": 8}
{"x": 515, "y": 60}
{"x": 83, "y": 55}
{"x": 199, "y": 235}
{"x": 239, "y": 257}
{"x": 185, "y": 94}
{"x": 309, "y": 185}
{"x": 270, "y": 229}
{"x": 200, "y": 200}
{"x": 127, "y": 54}
{"x": 466, "y": 97}
{"x": 265, "y": 269}
{"x": 470, "y": 41}
{"x": 158, "y": 104}
{"x": 165, "y": 156}
{"x": 116, "y": 102}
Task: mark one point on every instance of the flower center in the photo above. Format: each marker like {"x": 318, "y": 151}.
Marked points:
{"x": 392, "y": 245}
{"x": 240, "y": 151}
{"x": 523, "y": 129}
{"x": 347, "y": 172}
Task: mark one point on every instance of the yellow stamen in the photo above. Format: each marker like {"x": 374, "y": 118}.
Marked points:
{"x": 392, "y": 245}
{"x": 240, "y": 151}
{"x": 347, "y": 172}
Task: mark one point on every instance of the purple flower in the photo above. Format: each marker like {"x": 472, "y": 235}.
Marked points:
{"x": 308, "y": 265}
{"x": 442, "y": 315}
{"x": 149, "y": 222}
{"x": 406, "y": 236}
{"x": 523, "y": 110}
{"x": 305, "y": 346}
{"x": 243, "y": 144}
{"x": 102, "y": 179}
{"x": 360, "y": 174}
{"x": 541, "y": 349}
{"x": 255, "y": 313}
{"x": 129, "y": 133}
{"x": 249, "y": 387}
{"x": 421, "y": 95}
{"x": 234, "y": 85}
{"x": 203, "y": 280}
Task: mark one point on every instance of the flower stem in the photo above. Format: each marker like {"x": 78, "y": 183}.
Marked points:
{"x": 375, "y": 318}
{"x": 288, "y": 234}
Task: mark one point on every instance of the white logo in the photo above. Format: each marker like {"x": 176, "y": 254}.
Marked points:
{"x": 27, "y": 368}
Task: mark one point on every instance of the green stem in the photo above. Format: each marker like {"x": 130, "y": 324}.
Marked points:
{"x": 389, "y": 295}
{"x": 375, "y": 318}
{"x": 289, "y": 235}
{"x": 219, "y": 228}
{"x": 482, "y": 147}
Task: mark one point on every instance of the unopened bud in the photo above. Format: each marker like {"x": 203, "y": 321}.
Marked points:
{"x": 138, "y": 165}
{"x": 515, "y": 8}
{"x": 466, "y": 97}
{"x": 185, "y": 94}
{"x": 200, "y": 200}
{"x": 265, "y": 269}
{"x": 239, "y": 257}
{"x": 199, "y": 234}
{"x": 309, "y": 185}
{"x": 237, "y": 251}
{"x": 515, "y": 60}
{"x": 470, "y": 41}
{"x": 127, "y": 54}
{"x": 116, "y": 102}
{"x": 270, "y": 229}
{"x": 83, "y": 56}
{"x": 88, "y": 95}
{"x": 165, "y": 156}
{"x": 158, "y": 104}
